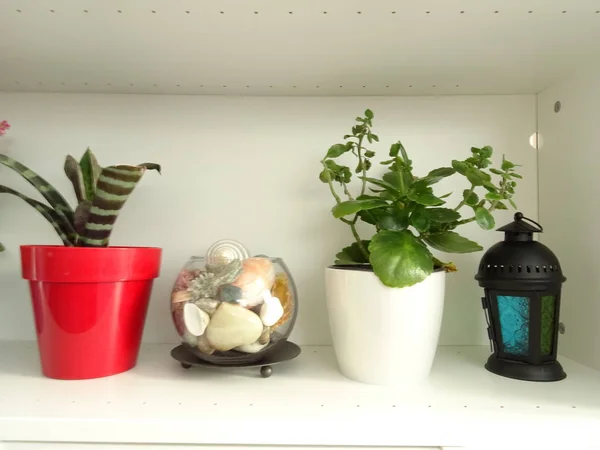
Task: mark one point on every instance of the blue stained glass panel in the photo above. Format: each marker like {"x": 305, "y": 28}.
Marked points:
{"x": 514, "y": 324}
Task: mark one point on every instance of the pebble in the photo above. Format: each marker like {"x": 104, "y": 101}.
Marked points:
{"x": 255, "y": 347}
{"x": 204, "y": 346}
{"x": 271, "y": 310}
{"x": 265, "y": 337}
{"x": 282, "y": 290}
{"x": 233, "y": 326}
{"x": 257, "y": 275}
{"x": 229, "y": 293}
{"x": 195, "y": 319}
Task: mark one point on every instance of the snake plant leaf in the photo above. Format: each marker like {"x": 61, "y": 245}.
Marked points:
{"x": 75, "y": 175}
{"x": 57, "y": 201}
{"x": 82, "y": 214}
{"x": 60, "y": 224}
{"x": 151, "y": 166}
{"x": 90, "y": 171}
{"x": 115, "y": 184}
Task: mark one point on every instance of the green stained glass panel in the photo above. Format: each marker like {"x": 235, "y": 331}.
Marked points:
{"x": 548, "y": 318}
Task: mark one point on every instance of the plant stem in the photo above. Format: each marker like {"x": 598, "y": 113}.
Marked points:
{"x": 361, "y": 162}
{"x": 347, "y": 192}
{"x": 465, "y": 197}
{"x": 462, "y": 222}
{"x": 330, "y": 183}
{"x": 359, "y": 241}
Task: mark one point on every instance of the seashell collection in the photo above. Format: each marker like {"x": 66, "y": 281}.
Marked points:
{"x": 229, "y": 303}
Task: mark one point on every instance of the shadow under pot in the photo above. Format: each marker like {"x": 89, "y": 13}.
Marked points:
{"x": 234, "y": 313}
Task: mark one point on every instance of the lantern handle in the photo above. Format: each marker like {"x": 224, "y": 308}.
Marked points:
{"x": 519, "y": 216}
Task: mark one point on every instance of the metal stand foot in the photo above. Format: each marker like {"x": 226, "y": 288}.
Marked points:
{"x": 266, "y": 371}
{"x": 186, "y": 366}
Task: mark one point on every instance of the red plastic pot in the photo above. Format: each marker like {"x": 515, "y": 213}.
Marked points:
{"x": 89, "y": 306}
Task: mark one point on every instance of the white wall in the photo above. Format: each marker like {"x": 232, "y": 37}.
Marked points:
{"x": 246, "y": 168}
{"x": 569, "y": 169}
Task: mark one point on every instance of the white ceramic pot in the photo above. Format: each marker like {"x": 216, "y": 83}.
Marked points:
{"x": 382, "y": 335}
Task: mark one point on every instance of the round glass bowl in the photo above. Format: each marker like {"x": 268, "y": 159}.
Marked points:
{"x": 234, "y": 311}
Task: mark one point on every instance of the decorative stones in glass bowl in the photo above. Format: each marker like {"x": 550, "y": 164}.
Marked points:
{"x": 230, "y": 308}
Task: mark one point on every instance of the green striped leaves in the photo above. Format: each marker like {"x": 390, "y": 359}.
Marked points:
{"x": 114, "y": 186}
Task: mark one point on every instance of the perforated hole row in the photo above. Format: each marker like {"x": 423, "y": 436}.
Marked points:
{"x": 427, "y": 12}
{"x": 518, "y": 269}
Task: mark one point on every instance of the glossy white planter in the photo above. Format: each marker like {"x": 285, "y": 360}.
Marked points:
{"x": 382, "y": 335}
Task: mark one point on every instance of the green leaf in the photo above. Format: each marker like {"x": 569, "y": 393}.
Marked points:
{"x": 62, "y": 227}
{"x": 437, "y": 175}
{"x": 419, "y": 220}
{"x": 369, "y": 154}
{"x": 115, "y": 185}
{"x": 394, "y": 219}
{"x": 486, "y": 152}
{"x": 352, "y": 254}
{"x": 490, "y": 188}
{"x": 336, "y": 150}
{"x": 353, "y": 206}
{"x": 477, "y": 177}
{"x": 497, "y": 172}
{"x": 384, "y": 184}
{"x": 493, "y": 196}
{"x": 470, "y": 197}
{"x": 500, "y": 205}
{"x": 445, "y": 195}
{"x": 512, "y": 203}
{"x": 399, "y": 259}
{"x": 484, "y": 218}
{"x": 2, "y": 248}
{"x": 369, "y": 114}
{"x": 374, "y": 137}
{"x": 90, "y": 171}
{"x": 56, "y": 200}
{"x": 516, "y": 175}
{"x": 506, "y": 165}
{"x": 460, "y": 167}
{"x": 452, "y": 242}
{"x": 325, "y": 175}
{"x": 425, "y": 198}
{"x": 75, "y": 175}
{"x": 441, "y": 215}
{"x": 397, "y": 180}
{"x": 395, "y": 149}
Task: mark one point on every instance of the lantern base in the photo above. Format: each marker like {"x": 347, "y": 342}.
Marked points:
{"x": 548, "y": 371}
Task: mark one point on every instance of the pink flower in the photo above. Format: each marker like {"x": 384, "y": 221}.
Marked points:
{"x": 4, "y": 126}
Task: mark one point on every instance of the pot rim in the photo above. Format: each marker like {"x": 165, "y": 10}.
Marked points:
{"x": 368, "y": 268}
{"x": 69, "y": 248}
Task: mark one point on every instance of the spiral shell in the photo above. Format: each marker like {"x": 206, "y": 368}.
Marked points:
{"x": 224, "y": 252}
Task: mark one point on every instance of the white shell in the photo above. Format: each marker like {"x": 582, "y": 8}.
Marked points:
{"x": 195, "y": 319}
{"x": 271, "y": 310}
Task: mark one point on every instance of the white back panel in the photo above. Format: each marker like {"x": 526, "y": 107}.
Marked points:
{"x": 569, "y": 163}
{"x": 247, "y": 168}
{"x": 295, "y": 47}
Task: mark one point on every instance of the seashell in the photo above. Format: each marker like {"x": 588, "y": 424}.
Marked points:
{"x": 265, "y": 337}
{"x": 229, "y": 293}
{"x": 206, "y": 284}
{"x": 224, "y": 252}
{"x": 180, "y": 296}
{"x": 282, "y": 290}
{"x": 195, "y": 319}
{"x": 271, "y": 310}
{"x": 204, "y": 346}
{"x": 232, "y": 326}
{"x": 257, "y": 275}
{"x": 255, "y": 347}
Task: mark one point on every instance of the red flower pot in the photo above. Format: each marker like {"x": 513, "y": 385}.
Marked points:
{"x": 89, "y": 306}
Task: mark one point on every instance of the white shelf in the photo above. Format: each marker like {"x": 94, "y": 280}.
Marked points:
{"x": 305, "y": 402}
{"x": 295, "y": 47}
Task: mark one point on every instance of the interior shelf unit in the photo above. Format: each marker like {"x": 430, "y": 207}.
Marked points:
{"x": 269, "y": 85}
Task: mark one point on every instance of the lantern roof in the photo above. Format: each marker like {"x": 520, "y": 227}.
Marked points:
{"x": 521, "y": 226}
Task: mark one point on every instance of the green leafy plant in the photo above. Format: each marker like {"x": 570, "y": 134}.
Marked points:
{"x": 409, "y": 218}
{"x": 101, "y": 194}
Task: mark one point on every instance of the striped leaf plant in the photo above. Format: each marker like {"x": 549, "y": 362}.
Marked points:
{"x": 101, "y": 194}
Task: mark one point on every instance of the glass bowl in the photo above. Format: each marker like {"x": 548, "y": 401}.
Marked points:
{"x": 234, "y": 312}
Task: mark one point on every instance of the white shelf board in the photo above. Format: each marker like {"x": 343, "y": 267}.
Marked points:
{"x": 295, "y": 47}
{"x": 305, "y": 402}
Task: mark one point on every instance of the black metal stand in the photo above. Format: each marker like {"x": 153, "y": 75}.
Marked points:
{"x": 550, "y": 371}
{"x": 284, "y": 352}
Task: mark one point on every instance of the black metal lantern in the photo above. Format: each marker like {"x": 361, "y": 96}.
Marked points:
{"x": 522, "y": 280}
